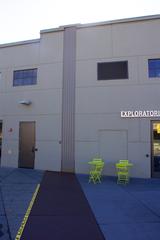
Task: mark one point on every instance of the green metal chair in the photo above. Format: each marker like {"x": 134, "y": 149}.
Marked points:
{"x": 95, "y": 173}
{"x": 122, "y": 173}
{"x": 123, "y": 167}
{"x": 124, "y": 161}
{"x": 97, "y": 160}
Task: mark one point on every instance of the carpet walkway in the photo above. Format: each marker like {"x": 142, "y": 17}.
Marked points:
{"x": 61, "y": 211}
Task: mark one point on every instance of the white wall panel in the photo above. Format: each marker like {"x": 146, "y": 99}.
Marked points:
{"x": 9, "y": 153}
{"x": 48, "y": 156}
{"x": 51, "y": 47}
{"x": 136, "y": 38}
{"x": 94, "y": 42}
{"x": 20, "y": 55}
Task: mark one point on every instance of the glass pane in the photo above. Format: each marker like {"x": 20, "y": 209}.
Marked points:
{"x": 152, "y": 73}
{"x": 112, "y": 70}
{"x": 154, "y": 68}
{"x": 156, "y": 146}
{"x": 25, "y": 77}
{"x": 157, "y": 72}
{"x": 151, "y": 63}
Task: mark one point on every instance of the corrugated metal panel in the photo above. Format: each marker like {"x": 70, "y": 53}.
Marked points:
{"x": 68, "y": 101}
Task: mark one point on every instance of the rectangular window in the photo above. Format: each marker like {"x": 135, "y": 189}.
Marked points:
{"x": 25, "y": 77}
{"x": 113, "y": 70}
{"x": 154, "y": 68}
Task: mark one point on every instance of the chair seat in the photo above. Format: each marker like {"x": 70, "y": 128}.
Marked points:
{"x": 122, "y": 168}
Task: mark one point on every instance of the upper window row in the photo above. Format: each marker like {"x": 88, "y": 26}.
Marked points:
{"x": 119, "y": 70}
{"x": 106, "y": 71}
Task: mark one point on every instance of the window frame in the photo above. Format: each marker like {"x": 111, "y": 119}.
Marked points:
{"x": 153, "y": 68}
{"x": 28, "y": 77}
{"x": 114, "y": 77}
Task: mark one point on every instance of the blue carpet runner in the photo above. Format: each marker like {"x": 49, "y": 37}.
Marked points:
{"x": 61, "y": 211}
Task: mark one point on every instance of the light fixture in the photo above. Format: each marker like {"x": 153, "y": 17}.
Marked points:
{"x": 25, "y": 102}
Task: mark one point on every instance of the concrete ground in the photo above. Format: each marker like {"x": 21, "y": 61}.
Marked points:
{"x": 130, "y": 212}
{"x": 16, "y": 189}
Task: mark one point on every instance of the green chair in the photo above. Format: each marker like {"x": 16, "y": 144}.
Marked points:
{"x": 124, "y": 161}
{"x": 122, "y": 173}
{"x": 97, "y": 160}
{"x": 95, "y": 173}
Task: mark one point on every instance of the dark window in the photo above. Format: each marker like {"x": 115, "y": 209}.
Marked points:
{"x": 25, "y": 77}
{"x": 154, "y": 68}
{"x": 113, "y": 70}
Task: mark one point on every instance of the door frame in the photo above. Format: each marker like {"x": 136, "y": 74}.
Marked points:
{"x": 1, "y": 122}
{"x": 153, "y": 173}
{"x": 34, "y": 143}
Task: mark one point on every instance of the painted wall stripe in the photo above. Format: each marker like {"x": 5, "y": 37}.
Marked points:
{"x": 20, "y": 231}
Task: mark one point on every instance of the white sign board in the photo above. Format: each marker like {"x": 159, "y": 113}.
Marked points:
{"x": 140, "y": 114}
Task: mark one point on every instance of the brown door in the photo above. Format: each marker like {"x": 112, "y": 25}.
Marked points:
{"x": 26, "y": 144}
{"x": 155, "y": 163}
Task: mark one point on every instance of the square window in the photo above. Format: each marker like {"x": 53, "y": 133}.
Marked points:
{"x": 154, "y": 68}
{"x": 25, "y": 77}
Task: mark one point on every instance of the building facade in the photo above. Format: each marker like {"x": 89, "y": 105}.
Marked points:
{"x": 82, "y": 91}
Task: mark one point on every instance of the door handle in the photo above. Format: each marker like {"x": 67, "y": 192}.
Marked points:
{"x": 34, "y": 149}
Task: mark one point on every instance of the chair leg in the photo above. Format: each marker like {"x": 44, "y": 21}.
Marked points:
{"x": 123, "y": 178}
{"x": 92, "y": 179}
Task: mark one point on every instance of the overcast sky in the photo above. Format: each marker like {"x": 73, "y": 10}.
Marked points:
{"x": 23, "y": 19}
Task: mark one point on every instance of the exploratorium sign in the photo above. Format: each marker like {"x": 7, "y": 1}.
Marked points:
{"x": 140, "y": 114}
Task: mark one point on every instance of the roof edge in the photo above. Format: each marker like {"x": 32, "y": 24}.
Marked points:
{"x": 12, "y": 44}
{"x": 124, "y": 20}
{"x": 85, "y": 25}
{"x": 78, "y": 26}
{"x": 60, "y": 28}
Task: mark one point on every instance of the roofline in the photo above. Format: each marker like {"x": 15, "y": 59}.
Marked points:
{"x": 19, "y": 43}
{"x": 86, "y": 25}
{"x": 78, "y": 26}
{"x": 124, "y": 20}
{"x": 60, "y": 28}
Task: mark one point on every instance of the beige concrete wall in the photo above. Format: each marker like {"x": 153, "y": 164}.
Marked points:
{"x": 19, "y": 55}
{"x": 136, "y": 38}
{"x": 94, "y": 42}
{"x": 98, "y": 103}
{"x": 47, "y": 141}
{"x": 51, "y": 49}
{"x": 46, "y": 98}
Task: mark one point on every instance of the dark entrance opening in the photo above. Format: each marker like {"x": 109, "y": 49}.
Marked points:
{"x": 155, "y": 149}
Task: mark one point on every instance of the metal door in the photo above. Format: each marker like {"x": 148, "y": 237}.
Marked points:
{"x": 26, "y": 144}
{"x": 155, "y": 148}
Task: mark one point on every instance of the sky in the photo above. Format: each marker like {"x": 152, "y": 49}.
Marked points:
{"x": 23, "y": 19}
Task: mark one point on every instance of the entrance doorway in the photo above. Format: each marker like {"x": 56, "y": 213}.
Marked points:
{"x": 0, "y": 139}
{"x": 155, "y": 149}
{"x": 26, "y": 144}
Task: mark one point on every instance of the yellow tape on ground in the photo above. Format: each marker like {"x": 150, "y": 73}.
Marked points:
{"x": 20, "y": 231}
